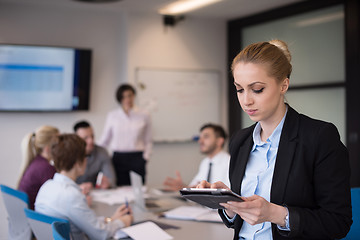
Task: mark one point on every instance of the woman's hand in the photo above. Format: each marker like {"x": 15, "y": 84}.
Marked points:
{"x": 255, "y": 210}
{"x": 217, "y": 185}
{"x": 88, "y": 200}
{"x": 127, "y": 219}
{"x": 124, "y": 214}
{"x": 86, "y": 187}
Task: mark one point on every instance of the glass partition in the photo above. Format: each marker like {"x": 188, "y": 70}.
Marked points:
{"x": 316, "y": 42}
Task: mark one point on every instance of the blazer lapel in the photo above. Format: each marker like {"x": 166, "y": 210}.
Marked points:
{"x": 285, "y": 156}
{"x": 242, "y": 159}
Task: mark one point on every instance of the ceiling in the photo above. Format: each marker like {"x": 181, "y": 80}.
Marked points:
{"x": 226, "y": 9}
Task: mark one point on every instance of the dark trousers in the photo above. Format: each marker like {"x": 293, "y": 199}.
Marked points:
{"x": 124, "y": 162}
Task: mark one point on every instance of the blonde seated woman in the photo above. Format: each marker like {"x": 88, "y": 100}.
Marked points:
{"x": 62, "y": 197}
{"x": 37, "y": 168}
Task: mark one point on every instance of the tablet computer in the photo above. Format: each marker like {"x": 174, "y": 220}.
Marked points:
{"x": 210, "y": 197}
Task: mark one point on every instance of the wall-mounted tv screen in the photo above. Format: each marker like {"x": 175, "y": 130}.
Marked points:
{"x": 44, "y": 78}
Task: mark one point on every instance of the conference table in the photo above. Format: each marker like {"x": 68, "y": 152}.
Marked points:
{"x": 178, "y": 229}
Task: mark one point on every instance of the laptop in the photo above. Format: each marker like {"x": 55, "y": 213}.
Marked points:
{"x": 149, "y": 204}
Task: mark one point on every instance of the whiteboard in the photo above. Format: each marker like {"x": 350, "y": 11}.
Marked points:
{"x": 179, "y": 101}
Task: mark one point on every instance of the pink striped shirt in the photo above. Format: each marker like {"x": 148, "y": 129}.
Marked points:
{"x": 128, "y": 132}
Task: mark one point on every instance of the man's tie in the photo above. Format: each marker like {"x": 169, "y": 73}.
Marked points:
{"x": 209, "y": 173}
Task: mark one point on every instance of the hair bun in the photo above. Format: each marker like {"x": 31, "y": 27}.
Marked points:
{"x": 283, "y": 47}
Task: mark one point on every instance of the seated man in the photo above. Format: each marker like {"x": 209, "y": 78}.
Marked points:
{"x": 215, "y": 167}
{"x": 98, "y": 161}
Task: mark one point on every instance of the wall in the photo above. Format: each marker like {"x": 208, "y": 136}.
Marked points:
{"x": 191, "y": 44}
{"x": 120, "y": 42}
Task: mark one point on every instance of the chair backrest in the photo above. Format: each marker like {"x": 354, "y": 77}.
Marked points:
{"x": 354, "y": 232}
{"x": 61, "y": 230}
{"x": 15, "y": 202}
{"x": 41, "y": 224}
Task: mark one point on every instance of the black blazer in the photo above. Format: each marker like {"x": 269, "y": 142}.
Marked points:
{"x": 311, "y": 177}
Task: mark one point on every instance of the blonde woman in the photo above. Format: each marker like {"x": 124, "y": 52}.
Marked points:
{"x": 292, "y": 171}
{"x": 36, "y": 161}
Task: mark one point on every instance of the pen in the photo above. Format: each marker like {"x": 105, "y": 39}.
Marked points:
{"x": 127, "y": 205}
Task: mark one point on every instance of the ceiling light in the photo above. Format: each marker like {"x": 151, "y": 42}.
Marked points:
{"x": 182, "y": 6}
{"x": 98, "y": 1}
{"x": 321, "y": 19}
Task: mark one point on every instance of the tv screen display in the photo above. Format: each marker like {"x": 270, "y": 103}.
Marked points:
{"x": 44, "y": 78}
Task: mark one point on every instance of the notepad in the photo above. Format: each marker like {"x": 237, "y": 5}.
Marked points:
{"x": 113, "y": 196}
{"x": 193, "y": 213}
{"x": 143, "y": 231}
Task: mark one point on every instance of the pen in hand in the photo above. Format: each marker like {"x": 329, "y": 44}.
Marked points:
{"x": 127, "y": 205}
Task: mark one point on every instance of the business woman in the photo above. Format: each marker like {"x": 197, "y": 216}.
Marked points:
{"x": 36, "y": 166}
{"x": 292, "y": 171}
{"x": 127, "y": 132}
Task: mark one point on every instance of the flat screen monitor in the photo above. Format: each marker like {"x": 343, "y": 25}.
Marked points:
{"x": 44, "y": 78}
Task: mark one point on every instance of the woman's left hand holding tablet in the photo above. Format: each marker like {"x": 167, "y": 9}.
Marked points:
{"x": 255, "y": 210}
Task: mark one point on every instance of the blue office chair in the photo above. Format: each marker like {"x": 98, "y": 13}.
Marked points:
{"x": 61, "y": 230}
{"x": 15, "y": 202}
{"x": 41, "y": 224}
{"x": 354, "y": 232}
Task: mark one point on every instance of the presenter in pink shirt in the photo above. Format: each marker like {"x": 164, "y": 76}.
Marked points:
{"x": 127, "y": 132}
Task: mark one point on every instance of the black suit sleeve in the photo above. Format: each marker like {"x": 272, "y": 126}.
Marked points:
{"x": 224, "y": 219}
{"x": 331, "y": 218}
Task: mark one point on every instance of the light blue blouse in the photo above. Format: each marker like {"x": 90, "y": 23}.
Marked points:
{"x": 258, "y": 179}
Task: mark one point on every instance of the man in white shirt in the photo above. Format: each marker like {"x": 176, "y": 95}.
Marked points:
{"x": 215, "y": 167}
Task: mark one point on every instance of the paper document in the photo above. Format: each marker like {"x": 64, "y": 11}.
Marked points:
{"x": 114, "y": 196}
{"x": 144, "y": 231}
{"x": 195, "y": 213}
{"x": 120, "y": 234}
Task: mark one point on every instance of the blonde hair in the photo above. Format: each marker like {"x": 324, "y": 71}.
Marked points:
{"x": 274, "y": 54}
{"x": 34, "y": 143}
